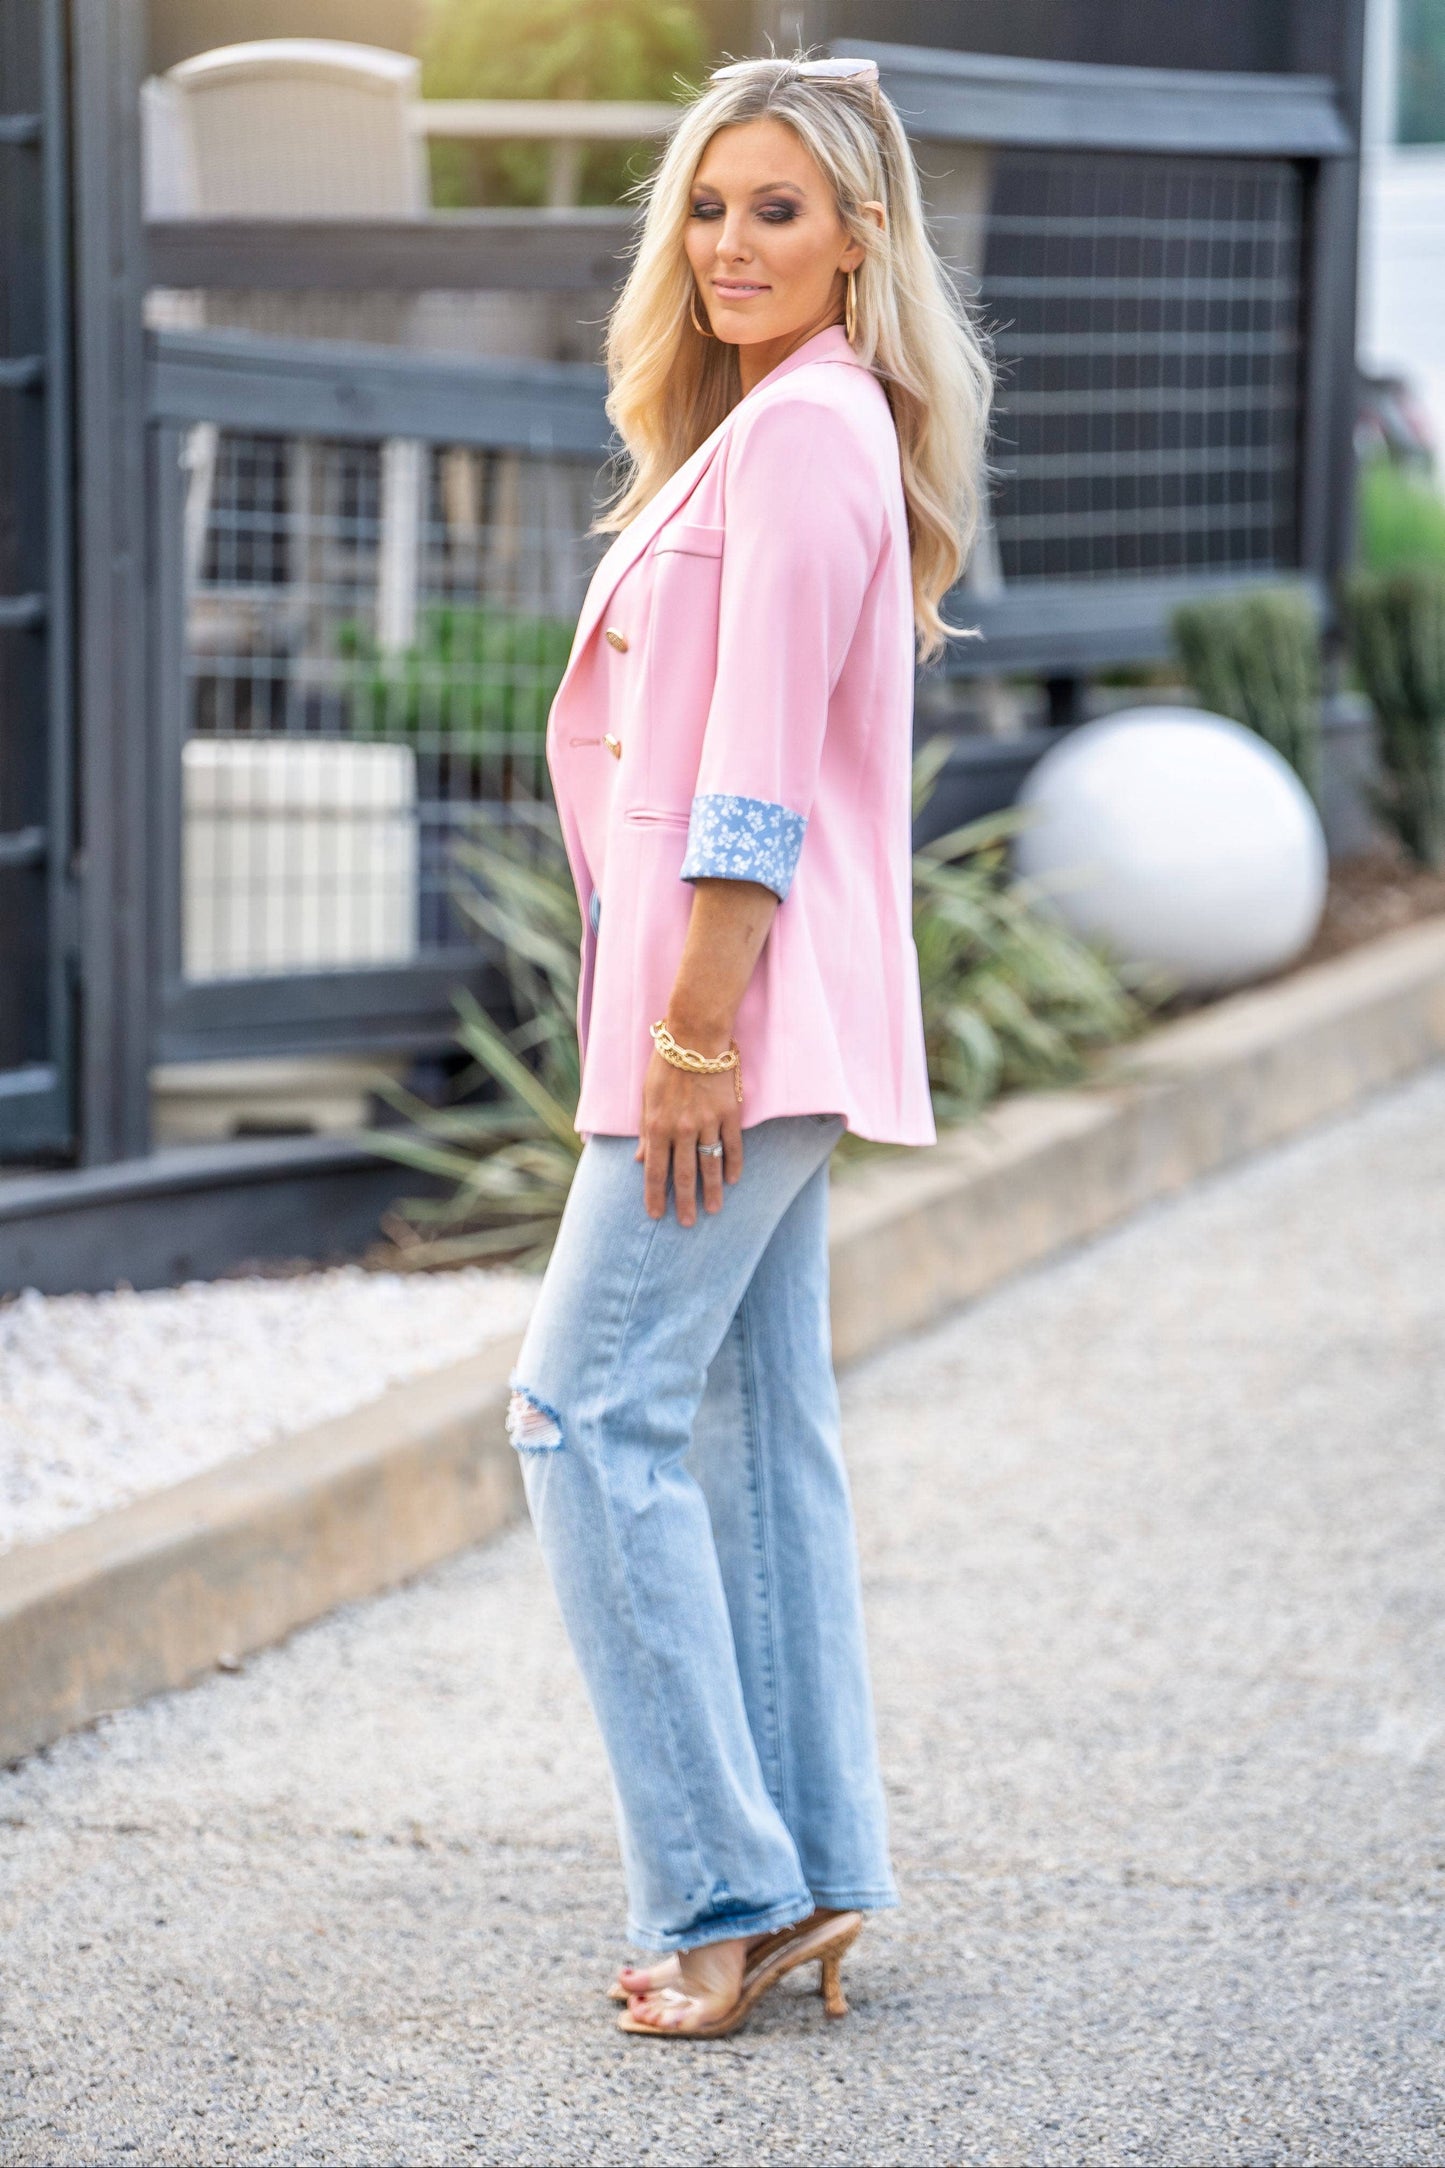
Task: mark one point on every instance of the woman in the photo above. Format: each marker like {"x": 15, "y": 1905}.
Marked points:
{"x": 803, "y": 401}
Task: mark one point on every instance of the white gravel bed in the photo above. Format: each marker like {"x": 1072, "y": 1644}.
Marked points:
{"x": 106, "y": 1398}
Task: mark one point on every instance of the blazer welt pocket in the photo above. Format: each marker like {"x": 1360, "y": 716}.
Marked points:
{"x": 655, "y": 816}
{"x": 686, "y": 539}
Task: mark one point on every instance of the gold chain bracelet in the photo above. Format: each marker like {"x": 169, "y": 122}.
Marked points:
{"x": 687, "y": 1057}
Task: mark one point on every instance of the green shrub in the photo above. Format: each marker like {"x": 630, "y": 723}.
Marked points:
{"x": 510, "y": 1159}
{"x": 479, "y": 678}
{"x": 643, "y": 49}
{"x": 1396, "y": 623}
{"x": 1010, "y": 999}
{"x": 1400, "y": 518}
{"x": 1256, "y": 657}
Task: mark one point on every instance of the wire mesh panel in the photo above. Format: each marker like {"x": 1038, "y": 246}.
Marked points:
{"x": 374, "y": 632}
{"x": 1147, "y": 317}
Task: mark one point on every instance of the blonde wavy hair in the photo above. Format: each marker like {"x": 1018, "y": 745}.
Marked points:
{"x": 670, "y": 386}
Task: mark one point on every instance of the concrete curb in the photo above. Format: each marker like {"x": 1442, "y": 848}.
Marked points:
{"x": 156, "y": 1594}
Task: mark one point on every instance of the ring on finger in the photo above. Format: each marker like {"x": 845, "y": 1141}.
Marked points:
{"x": 711, "y": 1151}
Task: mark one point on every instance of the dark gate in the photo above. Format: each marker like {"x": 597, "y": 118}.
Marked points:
{"x": 36, "y": 945}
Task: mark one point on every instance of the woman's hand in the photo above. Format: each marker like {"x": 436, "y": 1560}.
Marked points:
{"x": 680, "y": 1111}
{"x": 726, "y": 929}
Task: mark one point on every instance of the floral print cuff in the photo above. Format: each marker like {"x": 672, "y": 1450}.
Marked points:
{"x": 743, "y": 839}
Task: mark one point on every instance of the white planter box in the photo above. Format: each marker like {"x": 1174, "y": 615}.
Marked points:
{"x": 202, "y": 1102}
{"x": 297, "y": 855}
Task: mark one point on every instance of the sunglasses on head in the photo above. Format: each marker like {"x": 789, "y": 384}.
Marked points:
{"x": 838, "y": 71}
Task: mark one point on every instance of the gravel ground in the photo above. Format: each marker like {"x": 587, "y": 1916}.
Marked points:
{"x": 104, "y": 1398}
{"x": 1153, "y": 1545}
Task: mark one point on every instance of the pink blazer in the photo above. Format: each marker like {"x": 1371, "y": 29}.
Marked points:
{"x": 739, "y": 701}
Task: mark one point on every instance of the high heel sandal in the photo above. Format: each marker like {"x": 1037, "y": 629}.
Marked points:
{"x": 823, "y": 1945}
{"x": 763, "y": 1947}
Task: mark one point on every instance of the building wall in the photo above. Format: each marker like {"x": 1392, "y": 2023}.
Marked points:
{"x": 1266, "y": 35}
{"x": 1402, "y": 234}
{"x": 1250, "y": 34}
{"x": 1263, "y": 35}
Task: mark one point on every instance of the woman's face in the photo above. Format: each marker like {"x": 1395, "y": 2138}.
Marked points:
{"x": 764, "y": 239}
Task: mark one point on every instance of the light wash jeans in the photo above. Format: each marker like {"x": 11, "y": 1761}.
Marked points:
{"x": 677, "y": 1417}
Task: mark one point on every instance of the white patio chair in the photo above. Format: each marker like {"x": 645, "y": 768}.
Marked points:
{"x": 308, "y": 127}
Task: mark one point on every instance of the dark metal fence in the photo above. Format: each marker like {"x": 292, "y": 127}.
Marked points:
{"x": 1166, "y": 261}
{"x": 359, "y": 635}
{"x": 1148, "y": 318}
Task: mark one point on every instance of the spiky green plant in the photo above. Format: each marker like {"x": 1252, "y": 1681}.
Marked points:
{"x": 1396, "y": 623}
{"x": 510, "y": 1158}
{"x": 1011, "y": 999}
{"x": 1256, "y": 657}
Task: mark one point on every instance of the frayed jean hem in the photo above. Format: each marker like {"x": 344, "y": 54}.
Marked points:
{"x": 732, "y": 1929}
{"x": 856, "y": 1900}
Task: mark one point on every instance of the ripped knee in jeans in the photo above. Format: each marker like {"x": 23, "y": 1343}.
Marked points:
{"x": 532, "y": 1426}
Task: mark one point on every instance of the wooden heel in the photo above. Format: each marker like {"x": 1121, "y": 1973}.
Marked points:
{"x": 830, "y": 1986}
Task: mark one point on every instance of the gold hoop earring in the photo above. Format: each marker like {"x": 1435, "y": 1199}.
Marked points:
{"x": 703, "y": 331}
{"x": 850, "y": 311}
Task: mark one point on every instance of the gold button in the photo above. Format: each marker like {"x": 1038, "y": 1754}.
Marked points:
{"x": 617, "y": 639}
{"x": 613, "y": 745}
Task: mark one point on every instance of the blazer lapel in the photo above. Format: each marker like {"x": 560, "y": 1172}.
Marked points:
{"x": 628, "y": 546}
{"x": 830, "y": 344}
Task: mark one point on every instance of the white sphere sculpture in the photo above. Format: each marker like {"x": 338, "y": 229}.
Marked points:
{"x": 1177, "y": 840}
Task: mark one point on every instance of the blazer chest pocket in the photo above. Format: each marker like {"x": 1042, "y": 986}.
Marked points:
{"x": 685, "y": 538}
{"x": 681, "y": 659}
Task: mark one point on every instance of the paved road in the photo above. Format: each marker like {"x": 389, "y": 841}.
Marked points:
{"x": 1155, "y": 1550}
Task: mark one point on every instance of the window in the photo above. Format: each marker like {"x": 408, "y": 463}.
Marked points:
{"x": 1421, "y": 110}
